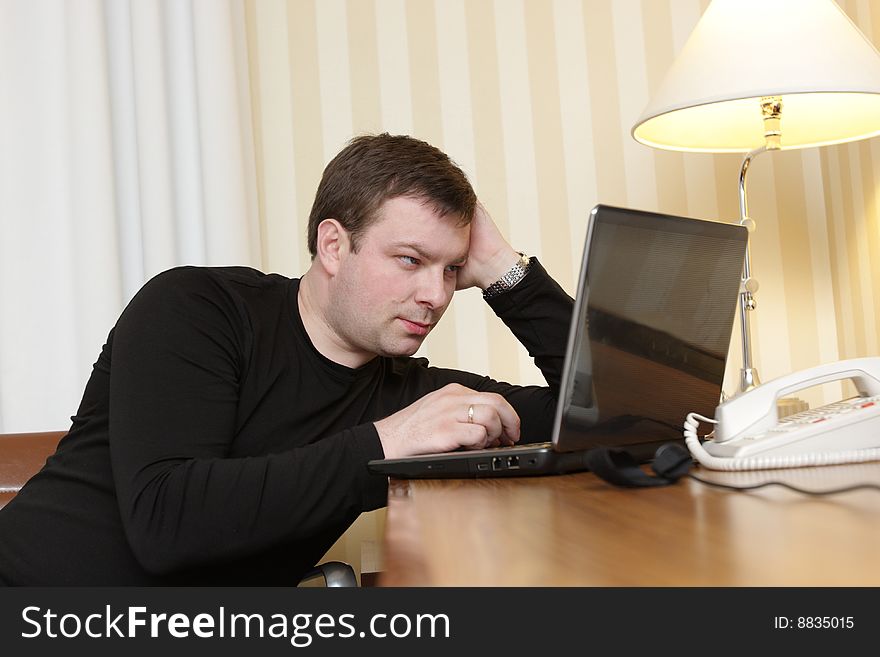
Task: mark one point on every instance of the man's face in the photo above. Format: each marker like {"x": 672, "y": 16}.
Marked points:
{"x": 389, "y": 295}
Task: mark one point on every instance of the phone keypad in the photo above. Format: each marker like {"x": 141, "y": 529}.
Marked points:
{"x": 829, "y": 411}
{"x": 818, "y": 415}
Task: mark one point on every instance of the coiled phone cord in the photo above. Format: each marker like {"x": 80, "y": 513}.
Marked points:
{"x": 692, "y": 423}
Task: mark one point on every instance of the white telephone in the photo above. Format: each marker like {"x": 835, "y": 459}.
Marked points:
{"x": 749, "y": 435}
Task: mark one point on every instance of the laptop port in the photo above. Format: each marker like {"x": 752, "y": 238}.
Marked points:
{"x": 512, "y": 462}
{"x": 482, "y": 466}
{"x": 497, "y": 463}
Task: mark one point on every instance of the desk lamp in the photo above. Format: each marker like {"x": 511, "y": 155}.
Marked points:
{"x": 765, "y": 75}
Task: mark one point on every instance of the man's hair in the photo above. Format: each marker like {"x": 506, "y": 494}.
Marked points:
{"x": 372, "y": 169}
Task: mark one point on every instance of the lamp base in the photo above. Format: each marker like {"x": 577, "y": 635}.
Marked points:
{"x": 748, "y": 379}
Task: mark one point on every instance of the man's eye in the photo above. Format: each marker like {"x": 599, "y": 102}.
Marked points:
{"x": 408, "y": 260}
{"x": 453, "y": 269}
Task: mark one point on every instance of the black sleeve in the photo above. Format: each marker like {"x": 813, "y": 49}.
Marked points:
{"x": 176, "y": 364}
{"x": 538, "y": 313}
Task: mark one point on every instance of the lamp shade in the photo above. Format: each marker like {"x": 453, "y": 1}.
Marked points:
{"x": 808, "y": 52}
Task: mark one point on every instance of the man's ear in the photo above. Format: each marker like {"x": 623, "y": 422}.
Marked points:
{"x": 334, "y": 243}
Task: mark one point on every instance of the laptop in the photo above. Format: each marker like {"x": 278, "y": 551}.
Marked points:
{"x": 648, "y": 343}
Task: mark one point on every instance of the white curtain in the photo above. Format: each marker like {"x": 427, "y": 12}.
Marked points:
{"x": 125, "y": 149}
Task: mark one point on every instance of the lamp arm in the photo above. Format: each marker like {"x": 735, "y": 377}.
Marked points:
{"x": 771, "y": 112}
{"x": 743, "y": 174}
{"x": 748, "y": 374}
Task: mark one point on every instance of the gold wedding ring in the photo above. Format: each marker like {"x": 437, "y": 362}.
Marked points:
{"x": 471, "y": 413}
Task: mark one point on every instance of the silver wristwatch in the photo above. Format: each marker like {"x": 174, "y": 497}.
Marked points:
{"x": 513, "y": 276}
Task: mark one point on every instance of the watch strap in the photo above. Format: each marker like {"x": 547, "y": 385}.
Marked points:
{"x": 513, "y": 276}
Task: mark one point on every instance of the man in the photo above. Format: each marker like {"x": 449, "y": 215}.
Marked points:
{"x": 224, "y": 434}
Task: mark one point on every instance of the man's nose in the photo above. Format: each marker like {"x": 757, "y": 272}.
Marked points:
{"x": 433, "y": 289}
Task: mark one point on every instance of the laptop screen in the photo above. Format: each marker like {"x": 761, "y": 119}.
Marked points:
{"x": 653, "y": 317}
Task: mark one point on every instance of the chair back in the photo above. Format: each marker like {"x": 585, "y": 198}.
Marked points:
{"x": 21, "y": 457}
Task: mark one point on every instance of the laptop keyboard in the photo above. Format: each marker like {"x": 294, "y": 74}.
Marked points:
{"x": 522, "y": 446}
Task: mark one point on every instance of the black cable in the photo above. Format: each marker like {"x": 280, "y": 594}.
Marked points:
{"x": 832, "y": 491}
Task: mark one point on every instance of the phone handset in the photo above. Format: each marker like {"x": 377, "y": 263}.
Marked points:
{"x": 748, "y": 434}
{"x": 755, "y": 411}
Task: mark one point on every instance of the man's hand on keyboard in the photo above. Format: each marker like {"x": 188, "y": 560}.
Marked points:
{"x": 449, "y": 418}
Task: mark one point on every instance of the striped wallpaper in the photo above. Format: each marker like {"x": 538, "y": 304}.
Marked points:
{"x": 535, "y": 100}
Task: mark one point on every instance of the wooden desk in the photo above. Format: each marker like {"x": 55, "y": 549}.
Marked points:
{"x": 575, "y": 530}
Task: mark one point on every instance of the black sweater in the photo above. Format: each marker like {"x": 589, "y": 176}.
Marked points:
{"x": 215, "y": 445}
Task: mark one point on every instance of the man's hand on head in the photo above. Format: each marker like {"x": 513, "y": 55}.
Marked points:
{"x": 489, "y": 256}
{"x": 444, "y": 420}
